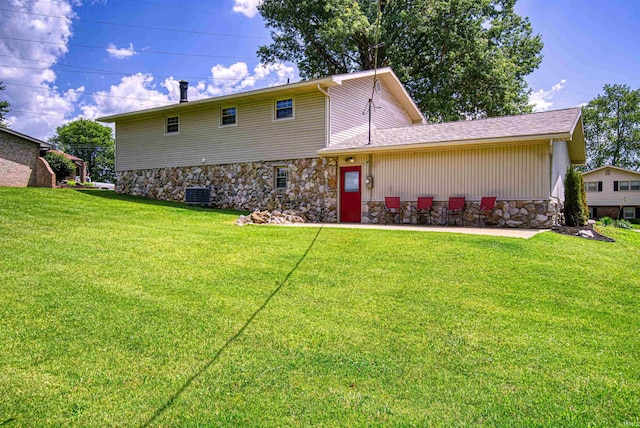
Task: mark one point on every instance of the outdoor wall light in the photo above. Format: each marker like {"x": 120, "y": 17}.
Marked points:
{"x": 349, "y": 159}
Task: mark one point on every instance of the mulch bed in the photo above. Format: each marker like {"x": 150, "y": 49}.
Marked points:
{"x": 573, "y": 231}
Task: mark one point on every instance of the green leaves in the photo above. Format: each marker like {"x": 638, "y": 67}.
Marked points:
{"x": 612, "y": 128}
{"x": 458, "y": 59}
{"x": 4, "y": 108}
{"x": 91, "y": 142}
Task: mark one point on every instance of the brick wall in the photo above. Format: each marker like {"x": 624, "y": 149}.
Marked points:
{"x": 18, "y": 161}
{"x": 45, "y": 177}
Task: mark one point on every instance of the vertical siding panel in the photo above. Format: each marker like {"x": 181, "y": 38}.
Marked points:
{"x": 516, "y": 172}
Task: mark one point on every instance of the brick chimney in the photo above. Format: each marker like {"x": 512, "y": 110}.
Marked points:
{"x": 184, "y": 86}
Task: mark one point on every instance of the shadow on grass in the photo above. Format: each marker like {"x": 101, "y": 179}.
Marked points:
{"x": 109, "y": 194}
{"x": 232, "y": 339}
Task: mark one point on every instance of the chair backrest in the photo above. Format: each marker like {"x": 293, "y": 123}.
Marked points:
{"x": 487, "y": 203}
{"x": 392, "y": 202}
{"x": 425, "y": 202}
{"x": 456, "y": 203}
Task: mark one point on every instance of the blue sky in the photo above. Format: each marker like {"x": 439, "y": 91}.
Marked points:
{"x": 109, "y": 56}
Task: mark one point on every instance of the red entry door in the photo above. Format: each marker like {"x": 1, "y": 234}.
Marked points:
{"x": 350, "y": 194}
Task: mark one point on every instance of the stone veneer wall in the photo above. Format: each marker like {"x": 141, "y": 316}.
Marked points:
{"x": 311, "y": 186}
{"x": 535, "y": 214}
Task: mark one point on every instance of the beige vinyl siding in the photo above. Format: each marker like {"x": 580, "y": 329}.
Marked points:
{"x": 349, "y": 109}
{"x": 142, "y": 144}
{"x": 560, "y": 161}
{"x": 608, "y": 197}
{"x": 509, "y": 172}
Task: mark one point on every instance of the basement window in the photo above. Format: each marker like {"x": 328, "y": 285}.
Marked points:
{"x": 281, "y": 175}
{"x": 629, "y": 212}
{"x": 172, "y": 125}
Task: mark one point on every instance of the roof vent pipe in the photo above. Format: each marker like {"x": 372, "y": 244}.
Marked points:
{"x": 184, "y": 86}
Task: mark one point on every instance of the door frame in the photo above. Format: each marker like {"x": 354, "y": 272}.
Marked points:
{"x": 348, "y": 168}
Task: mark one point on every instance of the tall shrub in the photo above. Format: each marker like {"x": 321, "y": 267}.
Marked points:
{"x": 60, "y": 165}
{"x": 574, "y": 209}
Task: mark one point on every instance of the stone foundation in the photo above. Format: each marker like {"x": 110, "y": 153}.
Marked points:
{"x": 529, "y": 214}
{"x": 311, "y": 186}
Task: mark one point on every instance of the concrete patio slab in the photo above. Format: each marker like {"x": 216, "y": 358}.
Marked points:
{"x": 488, "y": 231}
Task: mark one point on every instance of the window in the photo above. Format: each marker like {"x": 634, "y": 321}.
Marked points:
{"x": 172, "y": 125}
{"x": 635, "y": 185}
{"x": 629, "y": 212}
{"x": 284, "y": 109}
{"x": 623, "y": 185}
{"x": 281, "y": 177}
{"x": 592, "y": 186}
{"x": 228, "y": 116}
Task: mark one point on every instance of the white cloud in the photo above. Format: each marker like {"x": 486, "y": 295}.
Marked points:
{"x": 248, "y": 8}
{"x": 542, "y": 100}
{"x": 27, "y": 72}
{"x": 121, "y": 53}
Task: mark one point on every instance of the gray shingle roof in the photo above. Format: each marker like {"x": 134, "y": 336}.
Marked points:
{"x": 536, "y": 125}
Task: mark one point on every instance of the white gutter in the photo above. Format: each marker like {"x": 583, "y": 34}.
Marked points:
{"x": 327, "y": 116}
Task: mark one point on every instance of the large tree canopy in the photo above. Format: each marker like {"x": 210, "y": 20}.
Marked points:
{"x": 458, "y": 59}
{"x": 90, "y": 141}
{"x": 4, "y": 109}
{"x": 612, "y": 128}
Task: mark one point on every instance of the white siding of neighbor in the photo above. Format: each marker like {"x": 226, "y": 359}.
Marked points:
{"x": 560, "y": 162}
{"x": 142, "y": 144}
{"x": 349, "y": 109}
{"x": 515, "y": 172}
{"x": 608, "y": 197}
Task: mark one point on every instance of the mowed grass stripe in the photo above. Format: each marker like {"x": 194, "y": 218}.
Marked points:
{"x": 109, "y": 304}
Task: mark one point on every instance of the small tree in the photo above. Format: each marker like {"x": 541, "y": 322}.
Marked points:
{"x": 60, "y": 165}
{"x": 574, "y": 208}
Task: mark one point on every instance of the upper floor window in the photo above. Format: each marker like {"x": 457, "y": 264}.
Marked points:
{"x": 172, "y": 124}
{"x": 228, "y": 116}
{"x": 635, "y": 185}
{"x": 623, "y": 185}
{"x": 284, "y": 108}
{"x": 591, "y": 186}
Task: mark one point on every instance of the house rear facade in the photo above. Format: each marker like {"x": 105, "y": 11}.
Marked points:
{"x": 333, "y": 148}
{"x": 613, "y": 192}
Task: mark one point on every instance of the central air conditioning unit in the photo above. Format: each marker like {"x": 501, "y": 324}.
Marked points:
{"x": 198, "y": 195}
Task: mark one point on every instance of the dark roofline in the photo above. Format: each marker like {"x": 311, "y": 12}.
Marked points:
{"x": 27, "y": 137}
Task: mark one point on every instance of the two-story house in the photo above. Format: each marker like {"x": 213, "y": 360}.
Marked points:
{"x": 612, "y": 192}
{"x": 333, "y": 148}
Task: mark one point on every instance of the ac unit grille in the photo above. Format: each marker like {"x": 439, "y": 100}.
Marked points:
{"x": 198, "y": 195}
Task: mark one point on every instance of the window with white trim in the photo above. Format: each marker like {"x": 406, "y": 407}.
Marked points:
{"x": 591, "y": 186}
{"x": 227, "y": 116}
{"x": 281, "y": 176}
{"x": 284, "y": 109}
{"x": 172, "y": 125}
{"x": 635, "y": 185}
{"x": 623, "y": 185}
{"x": 629, "y": 212}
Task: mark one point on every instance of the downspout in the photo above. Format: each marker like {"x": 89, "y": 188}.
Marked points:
{"x": 327, "y": 116}
{"x": 551, "y": 183}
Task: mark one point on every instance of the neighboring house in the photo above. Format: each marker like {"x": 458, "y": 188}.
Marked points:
{"x": 21, "y": 164}
{"x": 307, "y": 146}
{"x": 613, "y": 192}
{"x": 80, "y": 171}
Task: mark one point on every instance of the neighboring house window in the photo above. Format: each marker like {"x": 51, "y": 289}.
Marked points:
{"x": 228, "y": 116}
{"x": 284, "y": 109}
{"x": 281, "y": 175}
{"x": 592, "y": 186}
{"x": 623, "y": 185}
{"x": 172, "y": 125}
{"x": 635, "y": 185}
{"x": 629, "y": 212}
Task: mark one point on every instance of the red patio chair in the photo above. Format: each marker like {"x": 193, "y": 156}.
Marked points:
{"x": 487, "y": 204}
{"x": 425, "y": 203}
{"x": 456, "y": 208}
{"x": 392, "y": 206}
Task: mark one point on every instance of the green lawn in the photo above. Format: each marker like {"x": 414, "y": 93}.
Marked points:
{"x": 118, "y": 311}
